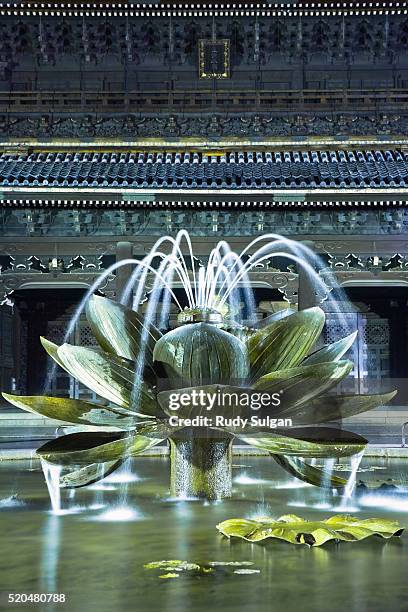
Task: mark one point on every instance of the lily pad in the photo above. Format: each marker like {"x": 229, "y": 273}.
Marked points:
{"x": 297, "y": 530}
{"x": 169, "y": 575}
{"x": 230, "y": 563}
{"x": 175, "y": 567}
{"x": 172, "y": 565}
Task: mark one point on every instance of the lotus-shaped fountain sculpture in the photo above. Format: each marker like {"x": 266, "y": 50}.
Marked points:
{"x": 202, "y": 354}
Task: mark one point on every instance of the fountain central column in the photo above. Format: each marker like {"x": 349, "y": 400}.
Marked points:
{"x": 198, "y": 354}
{"x": 201, "y": 465}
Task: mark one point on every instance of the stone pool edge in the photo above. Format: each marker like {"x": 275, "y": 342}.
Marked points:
{"x": 372, "y": 450}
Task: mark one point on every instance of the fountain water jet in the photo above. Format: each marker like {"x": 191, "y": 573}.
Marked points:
{"x": 351, "y": 481}
{"x": 212, "y": 349}
{"x": 52, "y": 475}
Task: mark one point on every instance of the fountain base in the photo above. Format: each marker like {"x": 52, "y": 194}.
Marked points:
{"x": 201, "y": 466}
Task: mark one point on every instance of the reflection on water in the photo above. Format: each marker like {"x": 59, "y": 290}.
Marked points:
{"x": 101, "y": 486}
{"x": 345, "y": 508}
{"x": 322, "y": 506}
{"x": 96, "y": 554}
{"x": 122, "y": 476}
{"x": 293, "y": 484}
{"x": 387, "y": 502}
{"x": 244, "y": 479}
{"x": 50, "y": 554}
{"x": 118, "y": 514}
{"x": 65, "y": 511}
{"x": 182, "y": 498}
{"x": 342, "y": 509}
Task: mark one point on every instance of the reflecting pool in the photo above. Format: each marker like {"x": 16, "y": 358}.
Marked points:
{"x": 95, "y": 548}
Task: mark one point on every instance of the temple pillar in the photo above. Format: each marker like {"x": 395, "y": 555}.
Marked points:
{"x": 397, "y": 320}
{"x": 307, "y": 295}
{"x": 124, "y": 250}
{"x": 36, "y": 316}
{"x": 17, "y": 356}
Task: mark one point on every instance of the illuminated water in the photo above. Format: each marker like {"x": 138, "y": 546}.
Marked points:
{"x": 96, "y": 554}
{"x": 93, "y": 547}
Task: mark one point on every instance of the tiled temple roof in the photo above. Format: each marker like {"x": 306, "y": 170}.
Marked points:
{"x": 166, "y": 7}
{"x": 197, "y": 170}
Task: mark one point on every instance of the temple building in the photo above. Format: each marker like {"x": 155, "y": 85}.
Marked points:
{"x": 123, "y": 121}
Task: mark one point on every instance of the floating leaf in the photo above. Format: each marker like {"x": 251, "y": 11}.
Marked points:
{"x": 230, "y": 563}
{"x": 307, "y": 442}
{"x": 175, "y": 567}
{"x": 200, "y": 353}
{"x": 173, "y": 564}
{"x": 309, "y": 473}
{"x": 284, "y": 344}
{"x": 331, "y": 352}
{"x": 163, "y": 564}
{"x": 186, "y": 567}
{"x": 297, "y": 530}
{"x": 74, "y": 411}
{"x": 297, "y": 386}
{"x": 120, "y": 330}
{"x": 169, "y": 575}
{"x": 110, "y": 377}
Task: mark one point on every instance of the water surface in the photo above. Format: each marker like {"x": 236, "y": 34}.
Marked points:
{"x": 95, "y": 553}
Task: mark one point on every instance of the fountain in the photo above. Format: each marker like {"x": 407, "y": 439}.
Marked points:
{"x": 51, "y": 475}
{"x": 212, "y": 379}
{"x": 351, "y": 482}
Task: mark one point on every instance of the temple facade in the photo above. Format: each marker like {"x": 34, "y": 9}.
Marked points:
{"x": 121, "y": 122}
